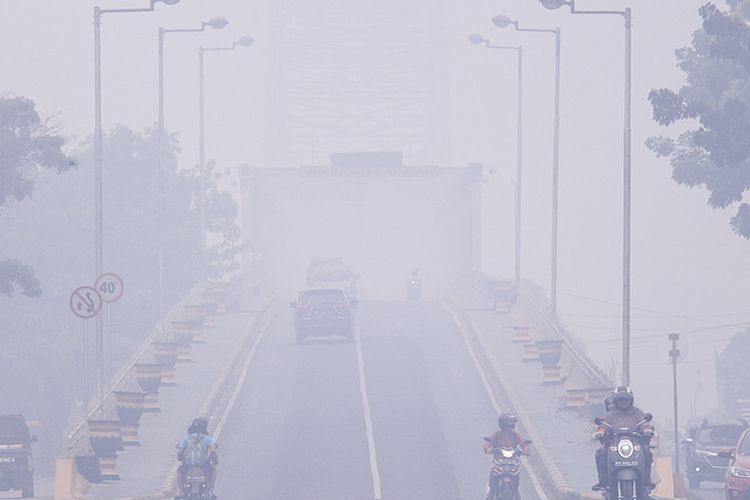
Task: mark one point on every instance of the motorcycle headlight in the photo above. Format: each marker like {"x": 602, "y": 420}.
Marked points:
{"x": 508, "y": 453}
{"x": 625, "y": 448}
{"x": 739, "y": 472}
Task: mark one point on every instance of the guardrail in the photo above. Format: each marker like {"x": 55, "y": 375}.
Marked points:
{"x": 497, "y": 289}
{"x": 76, "y": 438}
{"x": 595, "y": 374}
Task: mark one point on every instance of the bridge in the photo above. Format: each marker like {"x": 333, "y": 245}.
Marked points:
{"x": 400, "y": 412}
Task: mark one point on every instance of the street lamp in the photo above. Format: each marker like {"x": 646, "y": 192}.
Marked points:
{"x": 502, "y": 21}
{"x": 215, "y": 23}
{"x": 477, "y": 39}
{"x": 245, "y": 41}
{"x": 627, "y": 15}
{"x": 98, "y": 176}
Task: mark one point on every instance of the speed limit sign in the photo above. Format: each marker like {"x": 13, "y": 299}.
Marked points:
{"x": 110, "y": 287}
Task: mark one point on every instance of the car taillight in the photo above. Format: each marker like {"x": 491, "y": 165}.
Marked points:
{"x": 306, "y": 308}
{"x": 341, "y": 311}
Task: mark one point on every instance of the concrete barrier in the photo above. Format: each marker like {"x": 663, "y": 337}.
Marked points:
{"x": 68, "y": 484}
{"x": 149, "y": 379}
{"x": 106, "y": 440}
{"x": 130, "y": 407}
{"x": 530, "y": 352}
{"x": 663, "y": 477}
{"x": 575, "y": 398}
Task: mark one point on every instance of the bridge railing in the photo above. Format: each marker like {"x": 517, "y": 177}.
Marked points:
{"x": 554, "y": 330}
{"x": 76, "y": 438}
{"x": 503, "y": 294}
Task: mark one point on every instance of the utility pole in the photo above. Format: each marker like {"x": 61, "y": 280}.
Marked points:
{"x": 674, "y": 354}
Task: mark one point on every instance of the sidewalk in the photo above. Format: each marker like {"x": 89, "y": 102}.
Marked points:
{"x": 143, "y": 469}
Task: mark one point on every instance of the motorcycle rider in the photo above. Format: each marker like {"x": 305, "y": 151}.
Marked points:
{"x": 506, "y": 437}
{"x": 197, "y": 449}
{"x": 621, "y": 413}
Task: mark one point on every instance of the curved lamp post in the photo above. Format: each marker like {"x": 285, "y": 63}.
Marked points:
{"x": 98, "y": 197}
{"x": 627, "y": 15}
{"x": 215, "y": 23}
{"x": 245, "y": 41}
{"x": 477, "y": 39}
{"x": 503, "y": 21}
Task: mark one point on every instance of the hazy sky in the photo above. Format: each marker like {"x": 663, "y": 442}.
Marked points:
{"x": 685, "y": 259}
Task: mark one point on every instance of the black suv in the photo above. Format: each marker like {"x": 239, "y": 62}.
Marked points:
{"x": 705, "y": 440}
{"x": 320, "y": 312}
{"x": 16, "y": 465}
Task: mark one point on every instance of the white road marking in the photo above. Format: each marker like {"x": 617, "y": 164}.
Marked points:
{"x": 374, "y": 471}
{"x": 243, "y": 377}
{"x": 490, "y": 393}
{"x": 170, "y": 479}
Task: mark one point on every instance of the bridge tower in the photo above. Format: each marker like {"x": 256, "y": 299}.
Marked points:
{"x": 356, "y": 75}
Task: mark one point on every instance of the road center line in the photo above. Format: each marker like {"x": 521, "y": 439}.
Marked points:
{"x": 374, "y": 471}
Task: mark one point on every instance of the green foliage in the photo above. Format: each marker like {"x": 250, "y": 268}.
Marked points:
{"x": 16, "y": 275}
{"x": 716, "y": 155}
{"x": 733, "y": 370}
{"x": 28, "y": 144}
{"x": 221, "y": 211}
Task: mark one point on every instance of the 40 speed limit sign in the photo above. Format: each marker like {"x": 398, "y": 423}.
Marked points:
{"x": 110, "y": 286}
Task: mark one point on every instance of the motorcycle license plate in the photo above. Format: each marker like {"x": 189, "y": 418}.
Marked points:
{"x": 505, "y": 461}
{"x": 632, "y": 463}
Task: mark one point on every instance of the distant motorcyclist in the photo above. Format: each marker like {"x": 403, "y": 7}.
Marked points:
{"x": 621, "y": 414}
{"x": 197, "y": 449}
{"x": 414, "y": 290}
{"x": 506, "y": 437}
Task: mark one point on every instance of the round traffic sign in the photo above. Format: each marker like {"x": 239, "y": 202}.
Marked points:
{"x": 85, "y": 302}
{"x": 110, "y": 286}
{"x": 232, "y": 233}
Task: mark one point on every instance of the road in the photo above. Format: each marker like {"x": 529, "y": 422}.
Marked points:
{"x": 709, "y": 491}
{"x": 299, "y": 429}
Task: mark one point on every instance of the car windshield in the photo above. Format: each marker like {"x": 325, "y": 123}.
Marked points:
{"x": 323, "y": 297}
{"x": 744, "y": 448}
{"x": 722, "y": 435}
{"x": 13, "y": 431}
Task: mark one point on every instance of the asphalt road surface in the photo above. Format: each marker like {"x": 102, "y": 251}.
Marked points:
{"x": 300, "y": 428}
{"x": 710, "y": 491}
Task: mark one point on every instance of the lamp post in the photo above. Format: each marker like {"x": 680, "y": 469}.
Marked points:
{"x": 245, "y": 41}
{"x": 480, "y": 40}
{"x": 216, "y": 23}
{"x": 627, "y": 15}
{"x": 98, "y": 176}
{"x": 674, "y": 353}
{"x": 502, "y": 21}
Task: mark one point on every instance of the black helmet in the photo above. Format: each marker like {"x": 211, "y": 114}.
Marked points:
{"x": 609, "y": 401}
{"x": 198, "y": 426}
{"x": 623, "y": 398}
{"x": 507, "y": 421}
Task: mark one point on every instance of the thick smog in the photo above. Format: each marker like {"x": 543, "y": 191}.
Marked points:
{"x": 395, "y": 250}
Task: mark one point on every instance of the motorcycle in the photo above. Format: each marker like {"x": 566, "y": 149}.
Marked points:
{"x": 506, "y": 470}
{"x": 414, "y": 291}
{"x": 626, "y": 461}
{"x": 196, "y": 485}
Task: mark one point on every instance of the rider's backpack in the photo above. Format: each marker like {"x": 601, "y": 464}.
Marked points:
{"x": 196, "y": 450}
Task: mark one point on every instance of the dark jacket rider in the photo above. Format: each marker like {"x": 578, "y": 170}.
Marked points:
{"x": 621, "y": 414}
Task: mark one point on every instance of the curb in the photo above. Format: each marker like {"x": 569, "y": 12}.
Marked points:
{"x": 212, "y": 406}
{"x": 556, "y": 484}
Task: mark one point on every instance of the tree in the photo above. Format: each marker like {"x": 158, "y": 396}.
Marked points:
{"x": 28, "y": 143}
{"x": 716, "y": 155}
{"x": 221, "y": 212}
